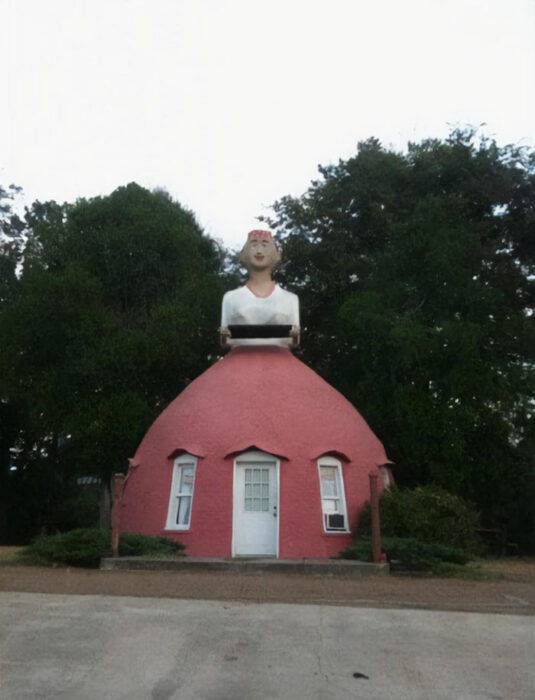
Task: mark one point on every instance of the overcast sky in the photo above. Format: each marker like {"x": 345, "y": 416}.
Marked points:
{"x": 232, "y": 104}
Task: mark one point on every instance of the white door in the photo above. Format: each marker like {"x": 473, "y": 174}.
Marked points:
{"x": 255, "y": 506}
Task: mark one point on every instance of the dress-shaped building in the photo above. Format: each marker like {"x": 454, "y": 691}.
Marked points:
{"x": 258, "y": 456}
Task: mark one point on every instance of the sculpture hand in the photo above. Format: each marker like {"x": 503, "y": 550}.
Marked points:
{"x": 295, "y": 335}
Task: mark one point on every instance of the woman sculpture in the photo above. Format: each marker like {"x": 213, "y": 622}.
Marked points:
{"x": 261, "y": 302}
{"x": 258, "y": 456}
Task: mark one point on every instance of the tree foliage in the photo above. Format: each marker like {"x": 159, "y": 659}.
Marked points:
{"x": 12, "y": 231}
{"x": 416, "y": 277}
{"x": 114, "y": 313}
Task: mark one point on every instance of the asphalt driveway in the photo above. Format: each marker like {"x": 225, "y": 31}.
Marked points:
{"x": 88, "y": 647}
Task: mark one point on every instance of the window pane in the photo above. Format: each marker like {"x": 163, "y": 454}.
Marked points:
{"x": 330, "y": 505}
{"x": 329, "y": 489}
{"x": 186, "y": 480}
{"x": 329, "y": 482}
{"x": 184, "y": 509}
{"x": 256, "y": 493}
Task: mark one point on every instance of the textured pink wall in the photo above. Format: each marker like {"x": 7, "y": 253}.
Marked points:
{"x": 255, "y": 397}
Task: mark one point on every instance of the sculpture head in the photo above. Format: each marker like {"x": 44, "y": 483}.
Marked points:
{"x": 260, "y": 252}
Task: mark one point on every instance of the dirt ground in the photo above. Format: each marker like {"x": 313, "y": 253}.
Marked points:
{"x": 509, "y": 587}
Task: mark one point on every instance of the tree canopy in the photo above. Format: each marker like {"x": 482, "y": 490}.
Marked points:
{"x": 115, "y": 311}
{"x": 416, "y": 277}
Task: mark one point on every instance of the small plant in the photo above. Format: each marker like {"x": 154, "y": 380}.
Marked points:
{"x": 410, "y": 553}
{"x": 86, "y": 546}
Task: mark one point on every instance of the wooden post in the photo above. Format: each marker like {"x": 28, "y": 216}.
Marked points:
{"x": 117, "y": 490}
{"x": 376, "y": 522}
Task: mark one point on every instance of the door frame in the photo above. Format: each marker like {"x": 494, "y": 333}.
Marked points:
{"x": 251, "y": 456}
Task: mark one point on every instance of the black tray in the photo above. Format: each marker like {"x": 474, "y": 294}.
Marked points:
{"x": 255, "y": 331}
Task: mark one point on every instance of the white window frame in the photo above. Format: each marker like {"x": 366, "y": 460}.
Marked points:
{"x": 184, "y": 460}
{"x": 328, "y": 461}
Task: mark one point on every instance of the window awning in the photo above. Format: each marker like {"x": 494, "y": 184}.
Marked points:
{"x": 259, "y": 446}
{"x": 335, "y": 453}
{"x": 191, "y": 449}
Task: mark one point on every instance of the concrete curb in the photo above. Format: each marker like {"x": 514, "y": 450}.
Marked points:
{"x": 338, "y": 567}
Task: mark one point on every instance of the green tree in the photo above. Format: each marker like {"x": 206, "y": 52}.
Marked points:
{"x": 416, "y": 277}
{"x": 116, "y": 311}
{"x": 12, "y": 231}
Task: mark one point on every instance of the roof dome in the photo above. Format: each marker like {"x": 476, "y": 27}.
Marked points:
{"x": 266, "y": 398}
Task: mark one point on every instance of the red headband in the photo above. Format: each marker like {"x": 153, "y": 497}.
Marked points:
{"x": 258, "y": 235}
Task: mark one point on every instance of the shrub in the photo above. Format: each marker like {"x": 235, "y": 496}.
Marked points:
{"x": 133, "y": 544}
{"x": 86, "y": 546}
{"x": 81, "y": 547}
{"x": 410, "y": 553}
{"x": 427, "y": 514}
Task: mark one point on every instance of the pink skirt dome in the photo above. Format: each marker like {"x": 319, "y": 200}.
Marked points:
{"x": 255, "y": 400}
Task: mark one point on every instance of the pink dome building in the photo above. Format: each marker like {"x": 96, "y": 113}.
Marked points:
{"x": 257, "y": 456}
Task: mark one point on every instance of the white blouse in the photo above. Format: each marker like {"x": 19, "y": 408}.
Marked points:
{"x": 242, "y": 306}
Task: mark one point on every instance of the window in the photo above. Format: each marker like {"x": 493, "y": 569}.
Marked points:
{"x": 181, "y": 499}
{"x": 386, "y": 475}
{"x": 332, "y": 495}
{"x": 256, "y": 492}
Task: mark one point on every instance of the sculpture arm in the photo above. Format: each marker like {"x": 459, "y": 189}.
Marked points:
{"x": 224, "y": 333}
{"x": 295, "y": 333}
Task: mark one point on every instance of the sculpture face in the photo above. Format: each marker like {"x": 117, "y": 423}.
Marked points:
{"x": 260, "y": 254}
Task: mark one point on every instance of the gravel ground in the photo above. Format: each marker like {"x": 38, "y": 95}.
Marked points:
{"x": 515, "y": 596}
{"x": 510, "y": 587}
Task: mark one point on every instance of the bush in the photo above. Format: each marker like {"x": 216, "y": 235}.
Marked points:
{"x": 132, "y": 544}
{"x": 81, "y": 547}
{"x": 427, "y": 514}
{"x": 410, "y": 553}
{"x": 86, "y": 546}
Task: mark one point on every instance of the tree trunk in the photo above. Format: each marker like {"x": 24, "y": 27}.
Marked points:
{"x": 105, "y": 505}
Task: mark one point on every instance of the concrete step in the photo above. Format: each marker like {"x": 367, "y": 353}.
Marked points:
{"x": 338, "y": 567}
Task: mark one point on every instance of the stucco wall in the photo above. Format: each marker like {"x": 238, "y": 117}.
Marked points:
{"x": 301, "y": 534}
{"x": 267, "y": 399}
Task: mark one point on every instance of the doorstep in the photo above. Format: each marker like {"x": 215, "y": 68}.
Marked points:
{"x": 338, "y": 567}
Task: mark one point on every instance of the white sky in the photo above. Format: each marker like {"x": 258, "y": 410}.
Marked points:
{"x": 231, "y": 104}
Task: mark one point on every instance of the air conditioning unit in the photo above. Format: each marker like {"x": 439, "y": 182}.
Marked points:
{"x": 334, "y": 521}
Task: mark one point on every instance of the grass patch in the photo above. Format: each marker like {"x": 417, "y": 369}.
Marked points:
{"x": 472, "y": 571}
{"x": 10, "y": 556}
